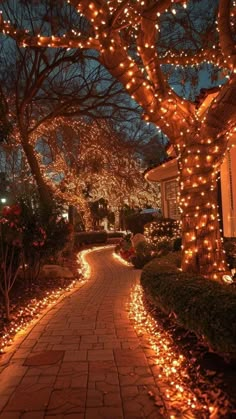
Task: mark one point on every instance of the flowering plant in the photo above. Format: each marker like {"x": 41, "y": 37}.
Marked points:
{"x": 11, "y": 229}
{"x": 125, "y": 248}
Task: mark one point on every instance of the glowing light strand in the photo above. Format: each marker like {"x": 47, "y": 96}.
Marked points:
{"x": 171, "y": 365}
{"x": 27, "y": 316}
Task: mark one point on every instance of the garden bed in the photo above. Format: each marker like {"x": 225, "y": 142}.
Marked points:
{"x": 202, "y": 306}
{"x": 211, "y": 378}
{"x": 28, "y": 302}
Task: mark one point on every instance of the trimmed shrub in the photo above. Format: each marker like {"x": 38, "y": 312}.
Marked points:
{"x": 164, "y": 229}
{"x": 90, "y": 237}
{"x": 168, "y": 263}
{"x": 115, "y": 234}
{"x": 202, "y": 306}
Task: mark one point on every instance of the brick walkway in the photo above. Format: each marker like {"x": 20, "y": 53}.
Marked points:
{"x": 83, "y": 359}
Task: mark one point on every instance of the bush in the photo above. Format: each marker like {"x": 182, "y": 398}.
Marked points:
{"x": 90, "y": 237}
{"x": 168, "y": 263}
{"x": 115, "y": 234}
{"x": 164, "y": 247}
{"x": 205, "y": 307}
{"x": 135, "y": 222}
{"x": 163, "y": 233}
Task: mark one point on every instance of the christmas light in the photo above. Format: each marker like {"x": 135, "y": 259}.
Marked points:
{"x": 27, "y": 316}
{"x": 171, "y": 367}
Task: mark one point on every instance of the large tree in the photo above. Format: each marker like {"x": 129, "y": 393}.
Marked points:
{"x": 152, "y": 47}
{"x": 95, "y": 160}
{"x": 40, "y": 85}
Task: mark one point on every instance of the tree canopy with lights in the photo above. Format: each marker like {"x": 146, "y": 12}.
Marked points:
{"x": 160, "y": 51}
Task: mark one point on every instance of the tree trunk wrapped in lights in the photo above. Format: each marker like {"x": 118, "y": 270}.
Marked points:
{"x": 201, "y": 239}
{"x": 167, "y": 35}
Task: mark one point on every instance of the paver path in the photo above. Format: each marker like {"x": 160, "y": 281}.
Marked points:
{"x": 83, "y": 359}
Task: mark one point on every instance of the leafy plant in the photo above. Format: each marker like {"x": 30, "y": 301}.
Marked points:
{"x": 11, "y": 252}
{"x": 164, "y": 230}
{"x": 188, "y": 297}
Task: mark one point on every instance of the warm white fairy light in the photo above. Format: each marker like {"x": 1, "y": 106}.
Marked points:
{"x": 25, "y": 317}
{"x": 173, "y": 376}
{"x": 28, "y": 315}
{"x": 120, "y": 259}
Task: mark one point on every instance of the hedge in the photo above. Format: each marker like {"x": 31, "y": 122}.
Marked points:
{"x": 90, "y": 237}
{"x": 202, "y": 306}
{"x": 115, "y": 234}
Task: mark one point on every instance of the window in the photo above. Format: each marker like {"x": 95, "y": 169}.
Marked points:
{"x": 171, "y": 193}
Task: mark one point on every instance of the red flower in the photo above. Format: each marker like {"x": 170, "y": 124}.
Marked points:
{"x": 11, "y": 211}
{"x": 16, "y": 209}
{"x": 6, "y": 211}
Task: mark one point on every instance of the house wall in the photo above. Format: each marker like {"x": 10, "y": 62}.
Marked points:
{"x": 228, "y": 192}
{"x": 168, "y": 173}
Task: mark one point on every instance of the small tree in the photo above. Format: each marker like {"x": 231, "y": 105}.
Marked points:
{"x": 11, "y": 252}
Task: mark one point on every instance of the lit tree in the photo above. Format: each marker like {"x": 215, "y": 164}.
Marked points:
{"x": 38, "y": 86}
{"x": 94, "y": 155}
{"x": 142, "y": 44}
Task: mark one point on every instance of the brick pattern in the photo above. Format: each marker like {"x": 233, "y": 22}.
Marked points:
{"x": 104, "y": 372}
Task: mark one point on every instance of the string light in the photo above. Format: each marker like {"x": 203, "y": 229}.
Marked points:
{"x": 27, "y": 316}
{"x": 171, "y": 367}
{"x": 120, "y": 259}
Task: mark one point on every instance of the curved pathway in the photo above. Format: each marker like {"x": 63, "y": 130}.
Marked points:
{"x": 83, "y": 359}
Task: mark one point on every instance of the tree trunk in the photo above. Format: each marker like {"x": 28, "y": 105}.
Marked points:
{"x": 117, "y": 219}
{"x": 7, "y": 305}
{"x": 201, "y": 236}
{"x": 71, "y": 214}
{"x": 43, "y": 189}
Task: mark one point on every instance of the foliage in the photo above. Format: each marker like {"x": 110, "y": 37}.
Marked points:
{"x": 10, "y": 251}
{"x": 26, "y": 242}
{"x": 163, "y": 233}
{"x": 99, "y": 210}
{"x": 115, "y": 234}
{"x": 58, "y": 233}
{"x": 187, "y": 296}
{"x": 5, "y": 126}
{"x": 43, "y": 238}
{"x": 135, "y": 222}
